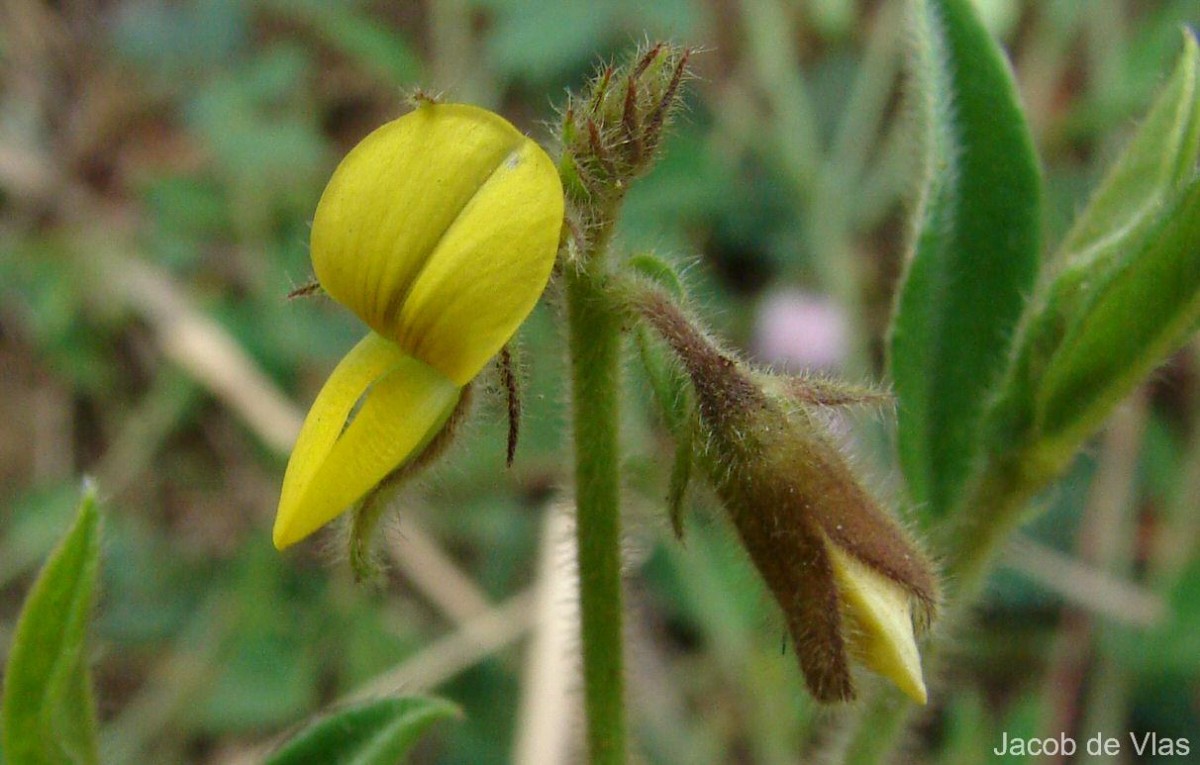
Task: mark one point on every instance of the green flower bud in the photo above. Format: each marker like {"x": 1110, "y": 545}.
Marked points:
{"x": 611, "y": 133}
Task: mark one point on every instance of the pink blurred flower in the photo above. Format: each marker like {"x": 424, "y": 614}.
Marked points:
{"x": 800, "y": 330}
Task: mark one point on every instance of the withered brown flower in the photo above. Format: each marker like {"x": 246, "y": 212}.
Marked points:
{"x": 849, "y": 580}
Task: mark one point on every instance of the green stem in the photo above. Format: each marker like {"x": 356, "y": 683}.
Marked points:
{"x": 595, "y": 339}
{"x": 990, "y": 514}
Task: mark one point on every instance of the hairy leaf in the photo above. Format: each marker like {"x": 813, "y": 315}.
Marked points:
{"x": 1130, "y": 211}
{"x": 974, "y": 255}
{"x": 1141, "y": 313}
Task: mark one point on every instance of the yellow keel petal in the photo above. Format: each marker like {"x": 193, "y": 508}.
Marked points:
{"x": 402, "y": 403}
{"x": 879, "y": 613}
{"x": 365, "y": 363}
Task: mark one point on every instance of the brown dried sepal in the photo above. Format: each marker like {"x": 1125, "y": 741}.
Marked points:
{"x": 512, "y": 389}
{"x": 812, "y": 391}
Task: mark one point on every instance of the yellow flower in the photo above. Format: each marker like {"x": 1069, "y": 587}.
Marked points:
{"x": 439, "y": 231}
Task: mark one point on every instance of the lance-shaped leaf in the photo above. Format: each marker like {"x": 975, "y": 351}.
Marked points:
{"x": 1142, "y": 312}
{"x": 1129, "y": 211}
{"x": 1157, "y": 163}
{"x": 49, "y": 716}
{"x": 375, "y": 733}
{"x": 974, "y": 255}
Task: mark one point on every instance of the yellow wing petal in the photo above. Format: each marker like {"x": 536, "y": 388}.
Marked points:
{"x": 402, "y": 404}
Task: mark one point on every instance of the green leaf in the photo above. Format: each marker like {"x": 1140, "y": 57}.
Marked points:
{"x": 681, "y": 476}
{"x": 49, "y": 716}
{"x": 658, "y": 271}
{"x": 1159, "y": 161}
{"x": 671, "y": 386}
{"x": 975, "y": 251}
{"x": 1134, "y": 319}
{"x": 374, "y": 733}
{"x": 673, "y": 393}
{"x": 1084, "y": 308}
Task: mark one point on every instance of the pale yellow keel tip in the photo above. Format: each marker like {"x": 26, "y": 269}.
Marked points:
{"x": 879, "y": 616}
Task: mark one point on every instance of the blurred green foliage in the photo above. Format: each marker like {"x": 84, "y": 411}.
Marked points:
{"x": 194, "y": 138}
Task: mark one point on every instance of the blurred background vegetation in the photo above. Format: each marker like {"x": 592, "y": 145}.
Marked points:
{"x": 159, "y": 164}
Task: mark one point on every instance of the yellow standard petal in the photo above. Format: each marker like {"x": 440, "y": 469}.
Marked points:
{"x": 341, "y": 454}
{"x": 879, "y": 616}
{"x": 439, "y": 230}
{"x": 489, "y": 269}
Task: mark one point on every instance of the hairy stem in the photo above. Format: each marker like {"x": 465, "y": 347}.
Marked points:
{"x": 992, "y": 511}
{"x": 595, "y": 339}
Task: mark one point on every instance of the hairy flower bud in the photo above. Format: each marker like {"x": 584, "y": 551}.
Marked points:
{"x": 848, "y": 580}
{"x": 611, "y": 133}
